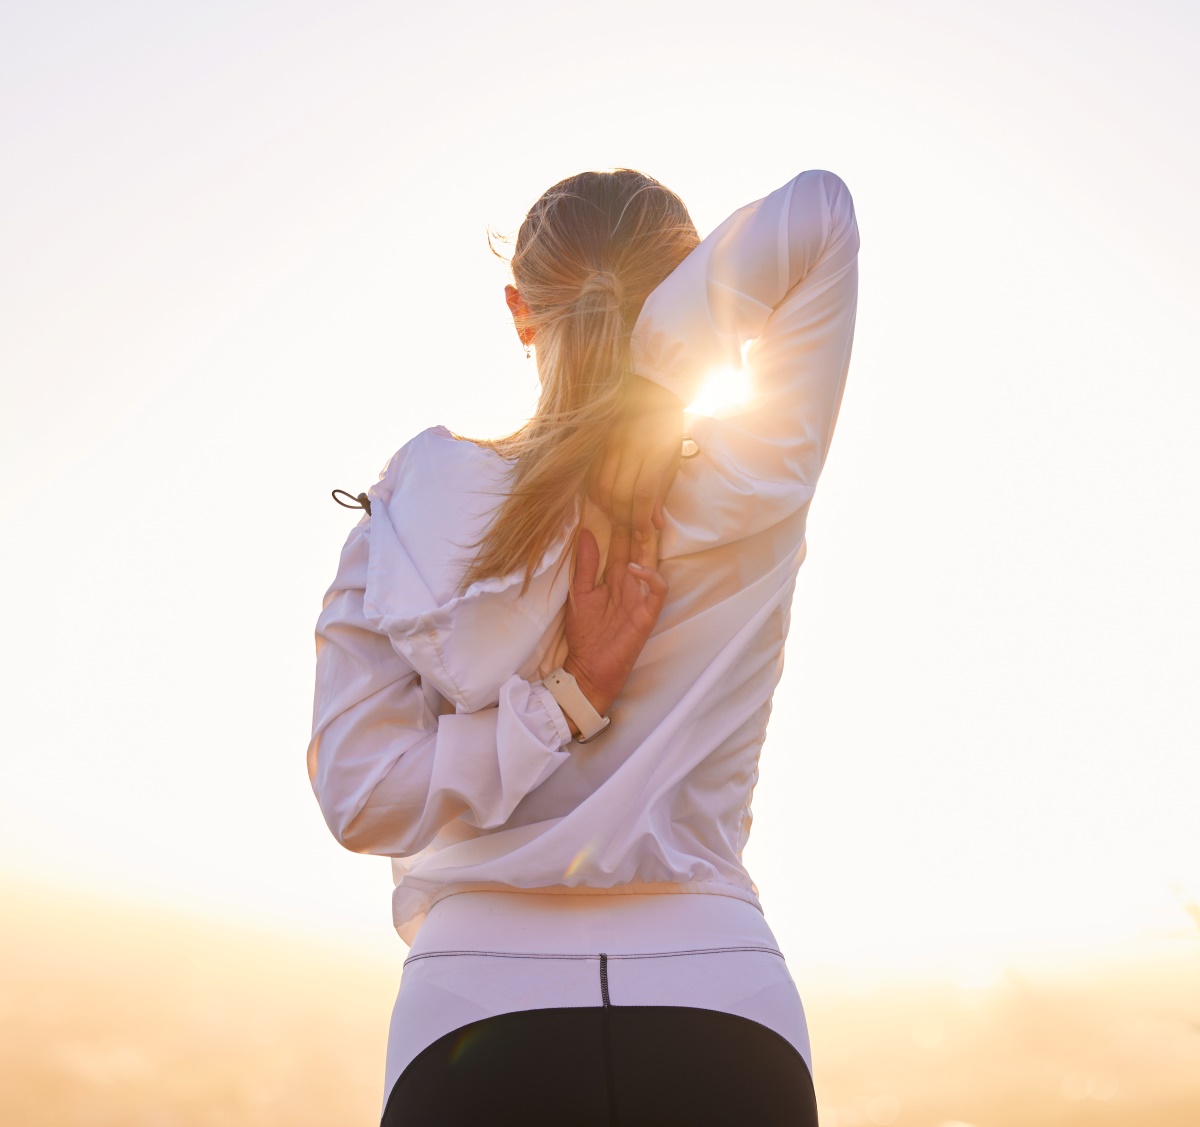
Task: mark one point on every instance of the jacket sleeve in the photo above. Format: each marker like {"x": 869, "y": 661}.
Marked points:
{"x": 769, "y": 301}
{"x": 389, "y": 760}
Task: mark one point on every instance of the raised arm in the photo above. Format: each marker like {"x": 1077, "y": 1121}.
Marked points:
{"x": 772, "y": 292}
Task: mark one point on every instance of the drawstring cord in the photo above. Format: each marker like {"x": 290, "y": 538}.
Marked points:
{"x": 362, "y": 501}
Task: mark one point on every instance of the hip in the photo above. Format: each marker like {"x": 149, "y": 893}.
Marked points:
{"x": 481, "y": 954}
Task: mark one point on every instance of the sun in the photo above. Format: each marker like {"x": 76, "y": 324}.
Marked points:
{"x": 724, "y": 390}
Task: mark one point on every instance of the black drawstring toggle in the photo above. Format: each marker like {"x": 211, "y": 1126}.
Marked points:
{"x": 362, "y": 501}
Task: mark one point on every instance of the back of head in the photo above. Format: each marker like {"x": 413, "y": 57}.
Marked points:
{"x": 587, "y": 256}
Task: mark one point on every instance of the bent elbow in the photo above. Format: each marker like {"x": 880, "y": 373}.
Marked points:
{"x": 841, "y": 210}
{"x": 358, "y": 835}
{"x": 385, "y": 832}
{"x": 828, "y": 192}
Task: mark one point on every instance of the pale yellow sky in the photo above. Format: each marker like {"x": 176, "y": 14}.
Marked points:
{"x": 245, "y": 260}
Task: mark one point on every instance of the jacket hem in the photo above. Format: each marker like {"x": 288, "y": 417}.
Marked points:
{"x": 408, "y": 925}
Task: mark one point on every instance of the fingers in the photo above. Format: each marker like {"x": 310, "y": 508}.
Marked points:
{"x": 641, "y": 483}
{"x": 653, "y": 589}
{"x": 604, "y": 476}
{"x": 587, "y": 563}
{"x": 653, "y": 579}
{"x": 645, "y": 496}
{"x": 625, "y": 483}
{"x": 618, "y": 550}
{"x": 645, "y": 551}
{"x": 668, "y": 478}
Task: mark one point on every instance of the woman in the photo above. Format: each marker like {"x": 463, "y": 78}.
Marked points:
{"x": 591, "y": 949}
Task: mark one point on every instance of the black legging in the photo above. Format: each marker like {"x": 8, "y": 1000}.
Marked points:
{"x": 607, "y": 1066}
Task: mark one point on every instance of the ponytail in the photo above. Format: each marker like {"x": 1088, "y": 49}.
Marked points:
{"x": 587, "y": 256}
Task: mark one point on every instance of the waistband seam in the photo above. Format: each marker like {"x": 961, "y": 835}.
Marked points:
{"x": 586, "y": 956}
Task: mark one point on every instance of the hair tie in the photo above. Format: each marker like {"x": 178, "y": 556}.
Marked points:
{"x": 602, "y": 281}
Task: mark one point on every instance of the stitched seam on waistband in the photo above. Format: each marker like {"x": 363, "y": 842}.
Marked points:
{"x": 585, "y": 957}
{"x": 697, "y": 951}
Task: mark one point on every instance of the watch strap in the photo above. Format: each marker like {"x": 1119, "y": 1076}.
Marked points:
{"x": 566, "y": 691}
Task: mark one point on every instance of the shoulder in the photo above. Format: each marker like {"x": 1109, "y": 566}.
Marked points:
{"x": 439, "y": 445}
{"x": 437, "y": 462}
{"x": 432, "y": 505}
{"x": 435, "y": 499}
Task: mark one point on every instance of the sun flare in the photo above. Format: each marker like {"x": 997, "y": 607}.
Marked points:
{"x": 724, "y": 389}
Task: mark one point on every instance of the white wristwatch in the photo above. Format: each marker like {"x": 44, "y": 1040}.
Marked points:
{"x": 565, "y": 689}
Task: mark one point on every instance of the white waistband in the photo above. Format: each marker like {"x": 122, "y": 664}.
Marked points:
{"x": 484, "y": 953}
{"x": 551, "y": 924}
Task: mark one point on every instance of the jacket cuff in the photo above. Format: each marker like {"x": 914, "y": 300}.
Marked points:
{"x": 554, "y": 712}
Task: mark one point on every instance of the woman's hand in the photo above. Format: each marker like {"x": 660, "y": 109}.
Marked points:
{"x": 608, "y": 623}
{"x": 640, "y": 462}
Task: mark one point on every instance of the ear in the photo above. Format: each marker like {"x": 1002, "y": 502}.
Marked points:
{"x": 520, "y": 312}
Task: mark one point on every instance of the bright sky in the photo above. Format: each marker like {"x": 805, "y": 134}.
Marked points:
{"x": 244, "y": 259}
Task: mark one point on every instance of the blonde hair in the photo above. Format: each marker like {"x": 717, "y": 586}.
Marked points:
{"x": 587, "y": 256}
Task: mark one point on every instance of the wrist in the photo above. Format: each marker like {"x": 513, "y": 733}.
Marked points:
{"x": 582, "y": 717}
{"x": 597, "y": 698}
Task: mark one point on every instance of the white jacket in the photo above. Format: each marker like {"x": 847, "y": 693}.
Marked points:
{"x": 433, "y": 740}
